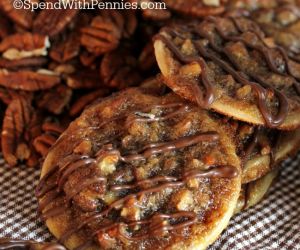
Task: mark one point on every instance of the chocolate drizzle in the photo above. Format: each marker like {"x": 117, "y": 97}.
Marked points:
{"x": 164, "y": 147}
{"x": 203, "y": 100}
{"x": 10, "y": 244}
{"x": 257, "y": 43}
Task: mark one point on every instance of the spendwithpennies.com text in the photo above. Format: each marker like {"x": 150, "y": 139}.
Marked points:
{"x": 87, "y": 5}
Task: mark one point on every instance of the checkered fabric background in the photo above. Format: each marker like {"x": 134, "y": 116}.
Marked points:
{"x": 273, "y": 224}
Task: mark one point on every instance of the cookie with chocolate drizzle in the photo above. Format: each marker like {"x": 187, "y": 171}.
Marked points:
{"x": 138, "y": 171}
{"x": 282, "y": 25}
{"x": 225, "y": 64}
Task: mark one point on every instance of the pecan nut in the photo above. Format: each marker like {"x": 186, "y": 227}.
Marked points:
{"x": 28, "y": 80}
{"x": 7, "y": 95}
{"x": 31, "y": 62}
{"x": 118, "y": 69}
{"x": 67, "y": 49}
{"x": 104, "y": 33}
{"x": 17, "y": 117}
{"x": 51, "y": 132}
{"x": 21, "y": 17}
{"x": 24, "y": 45}
{"x": 56, "y": 99}
{"x": 52, "y": 22}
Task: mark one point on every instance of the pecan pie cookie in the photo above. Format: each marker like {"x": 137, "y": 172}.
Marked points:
{"x": 138, "y": 171}
{"x": 262, "y": 150}
{"x": 225, "y": 64}
{"x": 282, "y": 25}
{"x": 253, "y": 192}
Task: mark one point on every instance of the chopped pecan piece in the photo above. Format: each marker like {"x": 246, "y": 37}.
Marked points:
{"x": 56, "y": 99}
{"x": 24, "y": 45}
{"x": 52, "y": 22}
{"x": 21, "y": 17}
{"x": 104, "y": 33}
{"x": 119, "y": 69}
{"x": 28, "y": 80}
{"x": 17, "y": 117}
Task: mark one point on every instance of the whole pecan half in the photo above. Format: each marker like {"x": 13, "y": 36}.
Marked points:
{"x": 28, "y": 80}
{"x": 104, "y": 33}
{"x": 43, "y": 143}
{"x": 51, "y": 132}
{"x": 67, "y": 46}
{"x": 18, "y": 46}
{"x": 51, "y": 22}
{"x": 7, "y": 95}
{"x": 55, "y": 100}
{"x": 66, "y": 49}
{"x": 21, "y": 17}
{"x": 31, "y": 62}
{"x": 119, "y": 69}
{"x": 18, "y": 115}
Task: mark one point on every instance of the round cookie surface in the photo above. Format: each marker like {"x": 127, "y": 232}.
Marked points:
{"x": 137, "y": 170}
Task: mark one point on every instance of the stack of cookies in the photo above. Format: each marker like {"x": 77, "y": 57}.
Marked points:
{"x": 166, "y": 164}
{"x": 154, "y": 167}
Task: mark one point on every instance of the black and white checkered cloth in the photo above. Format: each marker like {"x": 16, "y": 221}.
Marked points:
{"x": 272, "y": 224}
